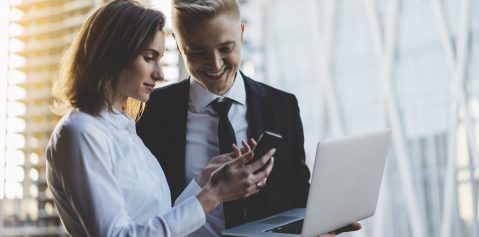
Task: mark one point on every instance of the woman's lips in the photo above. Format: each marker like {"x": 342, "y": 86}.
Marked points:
{"x": 150, "y": 86}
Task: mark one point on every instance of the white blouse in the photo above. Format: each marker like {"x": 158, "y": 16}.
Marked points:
{"x": 105, "y": 182}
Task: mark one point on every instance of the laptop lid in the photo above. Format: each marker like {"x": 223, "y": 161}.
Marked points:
{"x": 344, "y": 188}
{"x": 346, "y": 180}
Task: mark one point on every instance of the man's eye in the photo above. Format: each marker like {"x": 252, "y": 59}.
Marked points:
{"x": 196, "y": 54}
{"x": 226, "y": 49}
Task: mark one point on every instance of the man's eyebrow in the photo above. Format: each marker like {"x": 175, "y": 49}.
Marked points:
{"x": 194, "y": 48}
{"x": 228, "y": 43}
{"x": 199, "y": 48}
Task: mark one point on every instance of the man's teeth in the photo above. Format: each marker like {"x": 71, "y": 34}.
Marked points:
{"x": 215, "y": 74}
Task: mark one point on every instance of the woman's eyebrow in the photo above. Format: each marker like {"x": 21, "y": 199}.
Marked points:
{"x": 154, "y": 51}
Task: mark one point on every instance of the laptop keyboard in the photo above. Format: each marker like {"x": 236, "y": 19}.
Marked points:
{"x": 294, "y": 227}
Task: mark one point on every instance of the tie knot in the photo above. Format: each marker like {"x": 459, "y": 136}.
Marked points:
{"x": 222, "y": 107}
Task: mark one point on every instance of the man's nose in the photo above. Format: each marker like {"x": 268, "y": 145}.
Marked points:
{"x": 215, "y": 61}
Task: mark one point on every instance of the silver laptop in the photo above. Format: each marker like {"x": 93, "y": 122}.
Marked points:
{"x": 344, "y": 189}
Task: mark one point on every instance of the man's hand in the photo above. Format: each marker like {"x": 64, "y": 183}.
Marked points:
{"x": 352, "y": 227}
{"x": 218, "y": 161}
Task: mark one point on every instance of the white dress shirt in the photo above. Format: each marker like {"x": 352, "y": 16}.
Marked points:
{"x": 202, "y": 140}
{"x": 105, "y": 182}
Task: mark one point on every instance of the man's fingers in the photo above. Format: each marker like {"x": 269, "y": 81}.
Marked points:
{"x": 262, "y": 161}
{"x": 263, "y": 174}
{"x": 330, "y": 234}
{"x": 260, "y": 179}
{"x": 253, "y": 189}
{"x": 352, "y": 227}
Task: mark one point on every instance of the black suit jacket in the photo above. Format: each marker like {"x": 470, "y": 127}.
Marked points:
{"x": 163, "y": 130}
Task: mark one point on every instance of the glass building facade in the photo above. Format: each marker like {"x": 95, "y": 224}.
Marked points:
{"x": 408, "y": 65}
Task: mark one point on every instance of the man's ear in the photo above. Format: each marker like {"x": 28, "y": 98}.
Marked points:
{"x": 242, "y": 31}
{"x": 177, "y": 47}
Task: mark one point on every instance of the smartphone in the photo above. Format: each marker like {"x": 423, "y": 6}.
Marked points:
{"x": 266, "y": 141}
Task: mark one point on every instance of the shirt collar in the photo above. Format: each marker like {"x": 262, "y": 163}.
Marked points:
{"x": 201, "y": 98}
{"x": 119, "y": 120}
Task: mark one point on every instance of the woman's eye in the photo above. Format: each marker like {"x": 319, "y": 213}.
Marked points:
{"x": 148, "y": 58}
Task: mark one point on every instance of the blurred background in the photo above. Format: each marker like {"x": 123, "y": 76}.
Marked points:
{"x": 354, "y": 65}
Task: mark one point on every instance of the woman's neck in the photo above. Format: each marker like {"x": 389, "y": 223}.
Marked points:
{"x": 118, "y": 103}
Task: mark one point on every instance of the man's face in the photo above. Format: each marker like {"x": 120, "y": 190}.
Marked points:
{"x": 211, "y": 50}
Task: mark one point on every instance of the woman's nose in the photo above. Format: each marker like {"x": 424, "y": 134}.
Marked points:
{"x": 158, "y": 73}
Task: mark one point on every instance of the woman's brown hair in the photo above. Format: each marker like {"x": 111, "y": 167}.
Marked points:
{"x": 111, "y": 38}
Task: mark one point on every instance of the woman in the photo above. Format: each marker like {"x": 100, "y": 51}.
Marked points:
{"x": 104, "y": 181}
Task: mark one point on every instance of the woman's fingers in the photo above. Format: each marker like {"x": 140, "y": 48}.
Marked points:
{"x": 245, "y": 180}
{"x": 252, "y": 142}
{"x": 246, "y": 147}
{"x": 236, "y": 151}
{"x": 242, "y": 160}
{"x": 219, "y": 160}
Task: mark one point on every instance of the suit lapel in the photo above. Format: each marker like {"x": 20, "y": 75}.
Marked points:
{"x": 257, "y": 107}
{"x": 259, "y": 119}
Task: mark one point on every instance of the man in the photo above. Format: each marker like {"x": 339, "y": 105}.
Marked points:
{"x": 180, "y": 122}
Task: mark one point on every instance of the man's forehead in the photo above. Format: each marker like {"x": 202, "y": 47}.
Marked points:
{"x": 194, "y": 19}
{"x": 206, "y": 35}
{"x": 192, "y": 45}
{"x": 189, "y": 24}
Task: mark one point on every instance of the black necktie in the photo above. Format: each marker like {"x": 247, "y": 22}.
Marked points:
{"x": 233, "y": 210}
{"x": 226, "y": 133}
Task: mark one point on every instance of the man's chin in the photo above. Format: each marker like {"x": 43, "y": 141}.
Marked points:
{"x": 212, "y": 82}
{"x": 218, "y": 88}
{"x": 215, "y": 85}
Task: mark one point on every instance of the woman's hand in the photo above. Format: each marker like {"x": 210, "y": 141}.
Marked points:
{"x": 222, "y": 159}
{"x": 211, "y": 167}
{"x": 236, "y": 179}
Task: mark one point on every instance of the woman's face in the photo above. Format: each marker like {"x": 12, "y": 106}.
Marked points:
{"x": 138, "y": 79}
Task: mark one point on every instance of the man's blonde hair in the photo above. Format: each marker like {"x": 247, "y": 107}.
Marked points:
{"x": 189, "y": 11}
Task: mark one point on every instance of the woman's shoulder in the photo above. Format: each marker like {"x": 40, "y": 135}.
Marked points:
{"x": 75, "y": 131}
{"x": 79, "y": 122}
